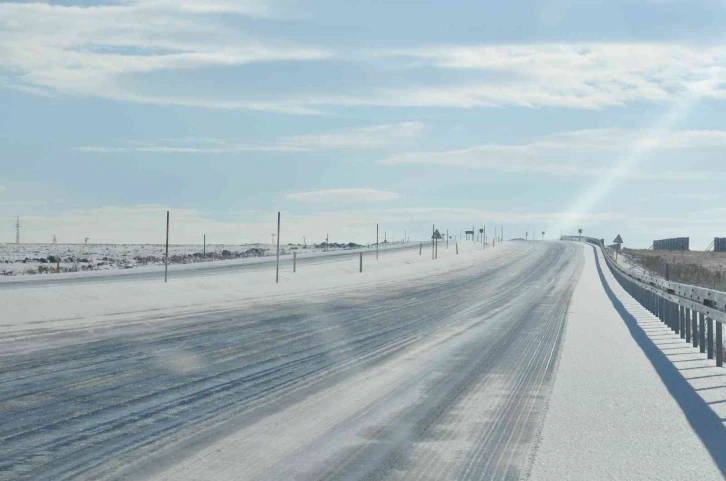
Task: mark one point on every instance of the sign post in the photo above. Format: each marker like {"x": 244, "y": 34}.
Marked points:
{"x": 435, "y": 238}
{"x": 618, "y": 241}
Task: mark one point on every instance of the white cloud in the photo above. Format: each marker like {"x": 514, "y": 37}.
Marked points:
{"x": 103, "y": 50}
{"x": 578, "y": 75}
{"x": 90, "y": 50}
{"x": 573, "y": 153}
{"x": 701, "y": 197}
{"x": 343, "y": 195}
{"x": 364, "y": 137}
{"x": 574, "y": 75}
{"x": 695, "y": 196}
{"x": 369, "y": 137}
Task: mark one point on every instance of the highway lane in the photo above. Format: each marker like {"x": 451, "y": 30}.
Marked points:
{"x": 443, "y": 378}
{"x": 183, "y": 271}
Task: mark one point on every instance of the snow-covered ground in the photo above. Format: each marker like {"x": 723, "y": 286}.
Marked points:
{"x": 100, "y": 303}
{"x": 631, "y": 399}
{"x": 17, "y": 259}
{"x": 445, "y": 367}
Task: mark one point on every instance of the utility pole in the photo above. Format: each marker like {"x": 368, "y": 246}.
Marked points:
{"x": 17, "y": 230}
{"x": 543, "y": 233}
{"x": 204, "y": 251}
{"x": 327, "y": 242}
{"x": 376, "y": 241}
{"x": 433, "y": 229}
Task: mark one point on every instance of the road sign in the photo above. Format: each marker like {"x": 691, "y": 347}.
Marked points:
{"x": 437, "y": 235}
{"x": 618, "y": 240}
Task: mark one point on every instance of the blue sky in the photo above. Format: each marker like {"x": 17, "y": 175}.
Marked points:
{"x": 534, "y": 115}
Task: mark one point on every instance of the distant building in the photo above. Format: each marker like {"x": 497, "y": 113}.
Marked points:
{"x": 674, "y": 244}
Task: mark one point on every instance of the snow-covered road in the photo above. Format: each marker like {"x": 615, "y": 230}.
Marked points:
{"x": 523, "y": 361}
{"x": 440, "y": 370}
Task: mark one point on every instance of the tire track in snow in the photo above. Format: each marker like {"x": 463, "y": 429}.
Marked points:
{"x": 95, "y": 403}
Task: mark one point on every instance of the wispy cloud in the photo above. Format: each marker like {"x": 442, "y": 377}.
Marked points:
{"x": 572, "y": 75}
{"x": 571, "y": 153}
{"x": 363, "y": 137}
{"x": 109, "y": 50}
{"x": 703, "y": 197}
{"x": 89, "y": 50}
{"x": 581, "y": 75}
{"x": 343, "y": 195}
{"x": 368, "y": 137}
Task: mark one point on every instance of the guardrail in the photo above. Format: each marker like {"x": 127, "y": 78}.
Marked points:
{"x": 688, "y": 310}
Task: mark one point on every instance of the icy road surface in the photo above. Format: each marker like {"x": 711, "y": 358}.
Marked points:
{"x": 445, "y": 376}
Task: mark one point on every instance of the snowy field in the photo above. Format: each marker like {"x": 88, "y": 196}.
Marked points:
{"x": 29, "y": 259}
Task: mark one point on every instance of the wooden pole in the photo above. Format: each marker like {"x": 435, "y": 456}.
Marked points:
{"x": 166, "y": 258}
{"x": 294, "y": 262}
{"x": 277, "y": 268}
{"x": 361, "y": 262}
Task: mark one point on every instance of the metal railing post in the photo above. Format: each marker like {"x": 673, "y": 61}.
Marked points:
{"x": 694, "y": 327}
{"x": 709, "y": 336}
{"x": 719, "y": 344}
{"x": 687, "y": 321}
{"x": 680, "y": 331}
{"x": 702, "y": 331}
{"x": 676, "y": 320}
